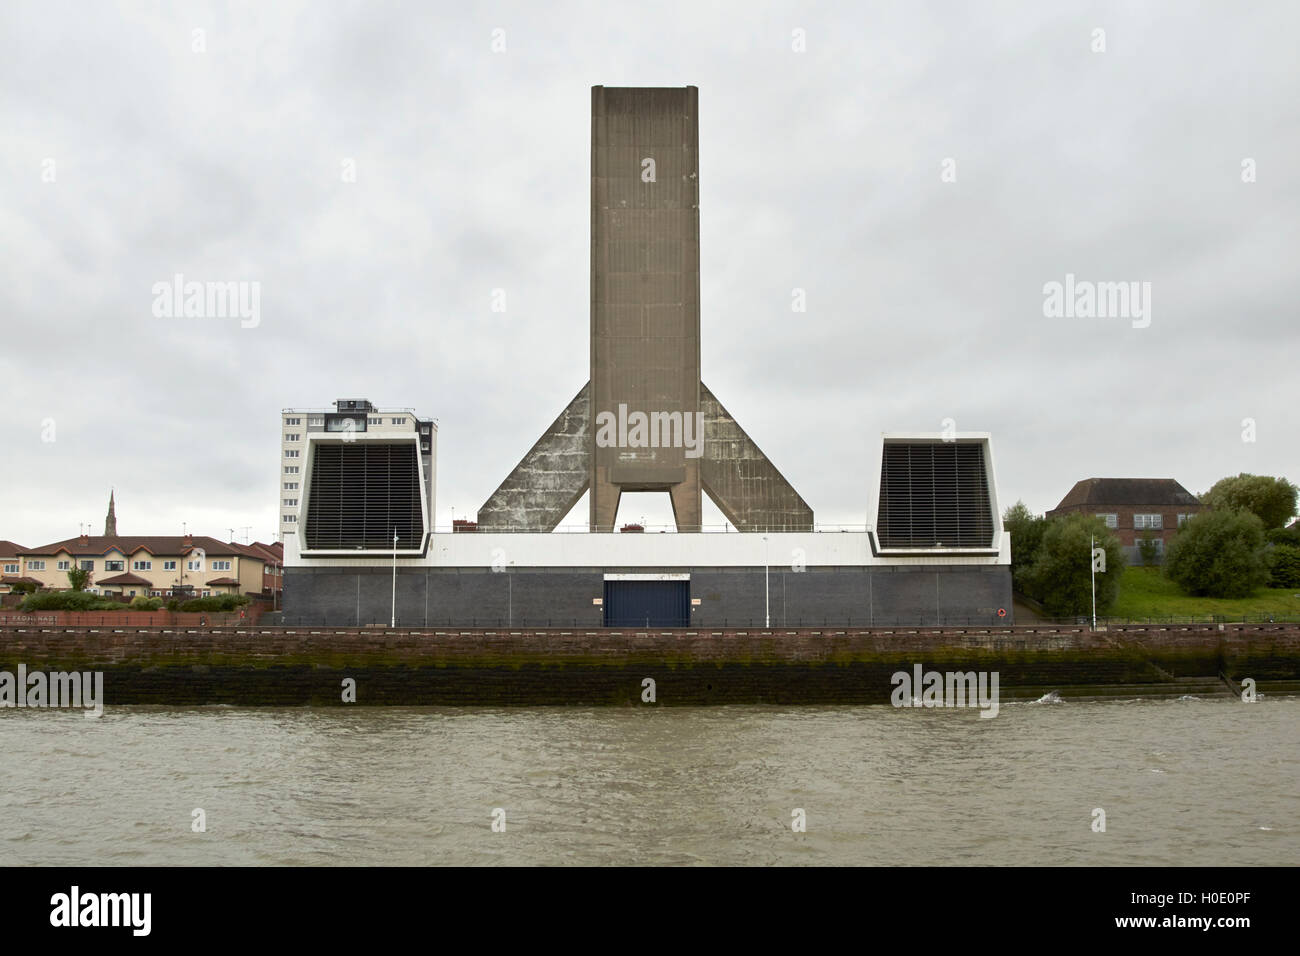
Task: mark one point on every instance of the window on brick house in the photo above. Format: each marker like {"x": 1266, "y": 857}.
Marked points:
{"x": 1112, "y": 520}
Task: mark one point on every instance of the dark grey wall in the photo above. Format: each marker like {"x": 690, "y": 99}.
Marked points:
{"x": 935, "y": 594}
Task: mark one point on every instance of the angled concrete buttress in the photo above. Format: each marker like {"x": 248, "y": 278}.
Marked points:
{"x": 644, "y": 421}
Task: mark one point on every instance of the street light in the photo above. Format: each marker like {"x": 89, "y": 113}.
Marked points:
{"x": 1092, "y": 565}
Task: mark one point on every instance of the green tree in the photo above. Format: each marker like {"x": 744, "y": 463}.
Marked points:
{"x": 1284, "y": 566}
{"x": 1026, "y": 531}
{"x": 77, "y": 578}
{"x": 1148, "y": 552}
{"x": 1061, "y": 575}
{"x": 1219, "y": 554}
{"x": 1272, "y": 500}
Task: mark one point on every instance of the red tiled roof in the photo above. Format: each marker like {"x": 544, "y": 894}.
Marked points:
{"x": 1128, "y": 491}
{"x": 127, "y": 578}
{"x": 9, "y": 580}
{"x": 10, "y": 550}
{"x": 156, "y": 545}
{"x": 221, "y": 581}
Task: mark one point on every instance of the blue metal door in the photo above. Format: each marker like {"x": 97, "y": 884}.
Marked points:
{"x": 647, "y": 603}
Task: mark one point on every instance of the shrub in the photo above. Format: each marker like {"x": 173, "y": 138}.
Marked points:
{"x": 1219, "y": 554}
{"x": 1289, "y": 536}
{"x": 1148, "y": 551}
{"x": 1284, "y": 566}
{"x": 143, "y": 603}
{"x": 68, "y": 601}
{"x": 216, "y": 603}
{"x": 1061, "y": 575}
{"x": 24, "y": 587}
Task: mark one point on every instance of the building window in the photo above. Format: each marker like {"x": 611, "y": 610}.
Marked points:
{"x": 11, "y": 569}
{"x": 293, "y": 436}
{"x": 291, "y": 469}
{"x": 155, "y": 594}
{"x": 290, "y": 519}
{"x": 40, "y": 565}
{"x": 1182, "y": 520}
{"x": 65, "y": 565}
{"x": 193, "y": 565}
{"x": 1112, "y": 520}
{"x": 88, "y": 565}
{"x": 291, "y": 453}
{"x": 141, "y": 565}
{"x": 291, "y": 486}
{"x": 374, "y": 421}
{"x": 291, "y": 502}
{"x": 1153, "y": 522}
{"x": 316, "y": 420}
{"x": 397, "y": 421}
{"x": 220, "y": 565}
{"x": 293, "y": 421}
{"x": 169, "y": 565}
{"x": 114, "y": 565}
{"x": 207, "y": 594}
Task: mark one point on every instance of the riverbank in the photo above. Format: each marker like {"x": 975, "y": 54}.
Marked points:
{"x": 254, "y": 666}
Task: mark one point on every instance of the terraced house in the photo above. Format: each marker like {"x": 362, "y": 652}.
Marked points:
{"x": 11, "y": 566}
{"x": 148, "y": 565}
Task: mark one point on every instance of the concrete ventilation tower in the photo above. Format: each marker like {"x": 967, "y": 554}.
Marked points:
{"x": 645, "y": 421}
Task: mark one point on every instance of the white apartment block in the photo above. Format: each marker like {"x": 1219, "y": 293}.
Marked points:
{"x": 374, "y": 474}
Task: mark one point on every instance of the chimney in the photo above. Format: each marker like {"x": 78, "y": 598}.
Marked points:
{"x": 84, "y": 539}
{"x": 188, "y": 540}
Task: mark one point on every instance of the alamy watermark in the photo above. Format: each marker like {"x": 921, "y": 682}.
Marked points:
{"x": 179, "y": 299}
{"x": 83, "y": 689}
{"x": 1084, "y": 299}
{"x": 75, "y": 908}
{"x": 651, "y": 430}
{"x": 951, "y": 689}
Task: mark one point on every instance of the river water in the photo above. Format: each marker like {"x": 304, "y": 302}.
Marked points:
{"x": 1213, "y": 782}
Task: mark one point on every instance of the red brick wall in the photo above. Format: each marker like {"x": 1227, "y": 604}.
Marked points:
{"x": 1125, "y": 531}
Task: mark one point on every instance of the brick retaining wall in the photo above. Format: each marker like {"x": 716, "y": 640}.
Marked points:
{"x": 299, "y": 666}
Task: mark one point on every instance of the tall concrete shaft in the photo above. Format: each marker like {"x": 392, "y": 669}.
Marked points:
{"x": 645, "y": 293}
{"x": 645, "y": 349}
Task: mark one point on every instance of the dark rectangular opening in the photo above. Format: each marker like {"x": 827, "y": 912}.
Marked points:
{"x": 360, "y": 493}
{"x": 934, "y": 494}
{"x": 647, "y": 603}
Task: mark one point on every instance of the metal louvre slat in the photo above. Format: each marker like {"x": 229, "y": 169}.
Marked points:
{"x": 360, "y": 493}
{"x": 934, "y": 494}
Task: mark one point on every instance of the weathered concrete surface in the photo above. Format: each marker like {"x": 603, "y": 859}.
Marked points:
{"x": 549, "y": 480}
{"x": 645, "y": 344}
{"x": 297, "y": 666}
{"x": 645, "y": 288}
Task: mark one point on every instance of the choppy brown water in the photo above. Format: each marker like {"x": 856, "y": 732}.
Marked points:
{"x": 1181, "y": 782}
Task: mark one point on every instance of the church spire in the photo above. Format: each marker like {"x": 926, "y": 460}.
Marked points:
{"x": 110, "y": 523}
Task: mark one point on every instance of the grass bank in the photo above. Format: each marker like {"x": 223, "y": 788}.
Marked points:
{"x": 1146, "y": 592}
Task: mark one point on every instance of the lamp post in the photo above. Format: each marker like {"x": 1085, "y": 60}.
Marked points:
{"x": 1092, "y": 564}
{"x": 394, "y": 618}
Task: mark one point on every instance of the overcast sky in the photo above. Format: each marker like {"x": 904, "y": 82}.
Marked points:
{"x": 129, "y": 156}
